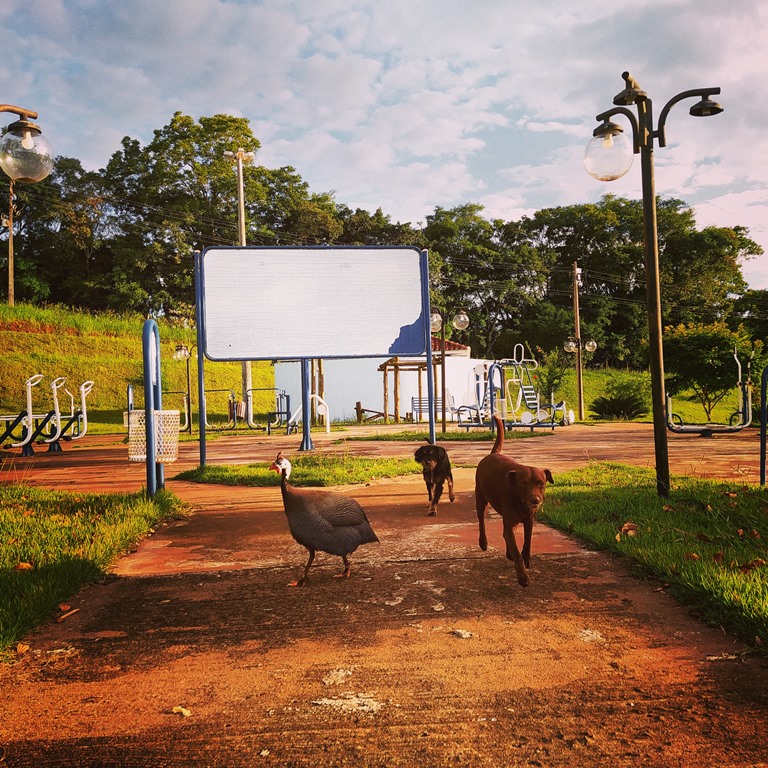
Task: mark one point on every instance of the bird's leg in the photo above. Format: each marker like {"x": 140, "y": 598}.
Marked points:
{"x": 347, "y": 569}
{"x": 300, "y": 582}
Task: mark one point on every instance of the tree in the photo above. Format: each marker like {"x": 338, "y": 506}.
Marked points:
{"x": 602, "y": 239}
{"x": 699, "y": 358}
{"x": 363, "y": 228}
{"x": 479, "y": 267}
{"x": 700, "y": 270}
{"x": 751, "y": 310}
{"x": 176, "y": 195}
{"x": 314, "y": 221}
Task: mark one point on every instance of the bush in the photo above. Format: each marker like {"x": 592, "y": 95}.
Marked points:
{"x": 623, "y": 399}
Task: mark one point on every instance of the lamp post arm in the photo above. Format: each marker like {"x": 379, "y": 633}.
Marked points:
{"x": 605, "y": 116}
{"x": 24, "y": 114}
{"x": 702, "y": 93}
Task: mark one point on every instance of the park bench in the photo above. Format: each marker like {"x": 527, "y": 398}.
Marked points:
{"x": 420, "y": 407}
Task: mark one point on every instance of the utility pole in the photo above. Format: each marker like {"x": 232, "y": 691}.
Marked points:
{"x": 240, "y": 157}
{"x": 577, "y": 334}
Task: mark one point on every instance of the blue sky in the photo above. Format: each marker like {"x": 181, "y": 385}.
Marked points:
{"x": 411, "y": 104}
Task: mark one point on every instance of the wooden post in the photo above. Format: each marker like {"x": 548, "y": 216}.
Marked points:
{"x": 386, "y": 394}
{"x": 436, "y": 388}
{"x": 396, "y": 370}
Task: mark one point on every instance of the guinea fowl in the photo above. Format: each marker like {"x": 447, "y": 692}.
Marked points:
{"x": 322, "y": 520}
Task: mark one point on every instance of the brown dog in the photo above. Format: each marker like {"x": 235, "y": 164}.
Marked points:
{"x": 516, "y": 492}
{"x": 436, "y": 468}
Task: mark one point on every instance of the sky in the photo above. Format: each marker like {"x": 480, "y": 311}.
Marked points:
{"x": 406, "y": 105}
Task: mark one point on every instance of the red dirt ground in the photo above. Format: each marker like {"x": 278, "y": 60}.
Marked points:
{"x": 429, "y": 655}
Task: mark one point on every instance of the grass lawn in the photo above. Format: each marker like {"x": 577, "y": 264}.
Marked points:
{"x": 52, "y": 543}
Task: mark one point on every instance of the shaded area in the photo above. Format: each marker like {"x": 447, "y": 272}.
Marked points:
{"x": 430, "y": 654}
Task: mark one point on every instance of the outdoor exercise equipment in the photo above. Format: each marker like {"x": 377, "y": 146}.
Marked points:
{"x": 480, "y": 413}
{"x": 281, "y": 415}
{"x": 75, "y": 422}
{"x": 232, "y": 414}
{"x": 738, "y": 419}
{"x": 298, "y": 415}
{"x": 507, "y": 387}
{"x": 70, "y": 426}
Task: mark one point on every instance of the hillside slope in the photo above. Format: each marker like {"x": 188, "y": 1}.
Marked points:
{"x": 108, "y": 351}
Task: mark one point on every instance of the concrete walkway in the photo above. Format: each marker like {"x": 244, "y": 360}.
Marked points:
{"x": 196, "y": 652}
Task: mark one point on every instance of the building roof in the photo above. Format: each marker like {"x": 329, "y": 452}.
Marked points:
{"x": 450, "y": 346}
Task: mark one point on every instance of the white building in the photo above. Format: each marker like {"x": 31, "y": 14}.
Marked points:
{"x": 391, "y": 383}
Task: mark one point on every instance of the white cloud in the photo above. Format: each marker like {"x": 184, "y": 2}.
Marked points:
{"x": 406, "y": 106}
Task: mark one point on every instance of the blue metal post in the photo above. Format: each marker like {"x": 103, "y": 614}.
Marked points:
{"x": 153, "y": 400}
{"x": 427, "y": 312}
{"x": 202, "y": 410}
{"x": 306, "y": 439}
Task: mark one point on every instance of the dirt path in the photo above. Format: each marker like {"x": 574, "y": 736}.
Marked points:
{"x": 429, "y": 655}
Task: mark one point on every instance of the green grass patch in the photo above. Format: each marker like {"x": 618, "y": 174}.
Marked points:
{"x": 53, "y": 542}
{"x": 305, "y": 470}
{"x": 708, "y": 541}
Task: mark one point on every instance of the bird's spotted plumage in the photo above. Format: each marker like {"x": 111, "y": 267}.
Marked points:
{"x": 323, "y": 520}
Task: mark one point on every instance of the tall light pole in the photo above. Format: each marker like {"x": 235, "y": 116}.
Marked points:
{"x": 460, "y": 322}
{"x": 240, "y": 158}
{"x": 574, "y": 344}
{"x": 26, "y": 156}
{"x": 608, "y": 156}
{"x": 577, "y": 331}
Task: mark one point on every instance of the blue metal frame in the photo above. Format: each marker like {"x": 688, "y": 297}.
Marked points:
{"x": 199, "y": 300}
{"x": 427, "y": 311}
{"x": 153, "y": 401}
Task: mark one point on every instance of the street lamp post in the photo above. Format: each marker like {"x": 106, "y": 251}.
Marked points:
{"x": 25, "y": 156}
{"x": 183, "y": 352}
{"x": 574, "y": 345}
{"x": 460, "y": 322}
{"x": 240, "y": 158}
{"x": 608, "y": 156}
{"x": 577, "y": 331}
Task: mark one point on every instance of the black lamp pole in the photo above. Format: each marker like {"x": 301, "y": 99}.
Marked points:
{"x": 643, "y": 134}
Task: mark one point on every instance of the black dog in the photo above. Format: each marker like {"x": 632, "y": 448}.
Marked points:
{"x": 437, "y": 469}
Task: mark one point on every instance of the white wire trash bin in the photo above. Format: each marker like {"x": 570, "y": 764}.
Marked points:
{"x": 167, "y": 425}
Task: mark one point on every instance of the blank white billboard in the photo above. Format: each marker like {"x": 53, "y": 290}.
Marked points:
{"x": 321, "y": 302}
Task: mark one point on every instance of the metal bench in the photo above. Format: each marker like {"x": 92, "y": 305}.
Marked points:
{"x": 420, "y": 405}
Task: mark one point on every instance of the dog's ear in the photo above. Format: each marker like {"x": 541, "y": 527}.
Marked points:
{"x": 512, "y": 478}
{"x": 548, "y": 475}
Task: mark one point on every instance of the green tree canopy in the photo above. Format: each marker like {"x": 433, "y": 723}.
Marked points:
{"x": 700, "y": 358}
{"x": 122, "y": 239}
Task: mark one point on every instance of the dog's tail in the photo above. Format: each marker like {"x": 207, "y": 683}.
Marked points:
{"x": 499, "y": 444}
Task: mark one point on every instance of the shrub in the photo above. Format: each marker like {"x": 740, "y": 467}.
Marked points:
{"x": 623, "y": 399}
